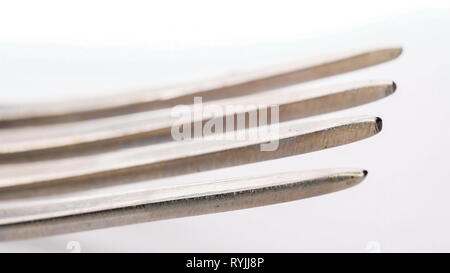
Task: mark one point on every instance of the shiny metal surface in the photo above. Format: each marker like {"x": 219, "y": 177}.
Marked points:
{"x": 51, "y": 150}
{"x": 70, "y": 215}
{"x": 241, "y": 84}
{"x": 175, "y": 158}
{"x": 108, "y": 134}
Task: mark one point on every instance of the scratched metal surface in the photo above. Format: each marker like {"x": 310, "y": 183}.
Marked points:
{"x": 400, "y": 207}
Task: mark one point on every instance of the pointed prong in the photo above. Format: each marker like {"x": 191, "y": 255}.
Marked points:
{"x": 86, "y": 213}
{"x": 176, "y": 158}
{"x": 89, "y": 137}
{"x": 238, "y": 85}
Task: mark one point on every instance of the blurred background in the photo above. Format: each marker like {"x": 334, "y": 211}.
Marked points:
{"x": 53, "y": 50}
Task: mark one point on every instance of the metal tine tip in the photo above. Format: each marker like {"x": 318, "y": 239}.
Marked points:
{"x": 58, "y": 216}
{"x": 107, "y": 134}
{"x": 176, "y": 158}
{"x": 240, "y": 84}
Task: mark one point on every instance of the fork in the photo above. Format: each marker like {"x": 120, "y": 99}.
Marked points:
{"x": 49, "y": 150}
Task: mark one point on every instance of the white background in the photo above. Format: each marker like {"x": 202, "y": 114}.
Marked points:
{"x": 58, "y": 49}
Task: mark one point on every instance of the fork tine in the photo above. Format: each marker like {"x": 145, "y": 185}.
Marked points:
{"x": 176, "y": 158}
{"x": 217, "y": 89}
{"x": 86, "y": 213}
{"x": 63, "y": 140}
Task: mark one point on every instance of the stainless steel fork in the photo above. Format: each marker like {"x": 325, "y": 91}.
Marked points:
{"x": 48, "y": 150}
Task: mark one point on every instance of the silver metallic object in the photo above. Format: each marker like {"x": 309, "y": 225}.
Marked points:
{"x": 48, "y": 150}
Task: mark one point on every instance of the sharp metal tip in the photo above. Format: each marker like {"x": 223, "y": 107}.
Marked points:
{"x": 397, "y": 51}
{"x": 379, "y": 123}
{"x": 394, "y": 87}
{"x": 389, "y": 88}
{"x": 392, "y": 51}
{"x": 354, "y": 177}
{"x": 388, "y": 53}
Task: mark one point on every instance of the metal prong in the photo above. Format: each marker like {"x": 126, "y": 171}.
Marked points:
{"x": 176, "y": 158}
{"x": 242, "y": 84}
{"x": 86, "y": 213}
{"x": 102, "y": 135}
